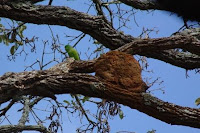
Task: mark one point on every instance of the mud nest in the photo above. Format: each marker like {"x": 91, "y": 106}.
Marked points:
{"x": 121, "y": 70}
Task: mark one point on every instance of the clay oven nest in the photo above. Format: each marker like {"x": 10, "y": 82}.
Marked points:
{"x": 121, "y": 70}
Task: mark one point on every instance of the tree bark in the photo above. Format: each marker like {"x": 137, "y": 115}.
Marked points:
{"x": 97, "y": 27}
{"x": 70, "y": 77}
{"x": 152, "y": 47}
{"x": 18, "y": 128}
{"x": 58, "y": 80}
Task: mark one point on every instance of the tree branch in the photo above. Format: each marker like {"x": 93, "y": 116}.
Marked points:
{"x": 51, "y": 82}
{"x": 26, "y": 110}
{"x": 180, "y": 59}
{"x": 18, "y": 128}
{"x": 4, "y": 110}
{"x": 95, "y": 26}
{"x": 152, "y": 47}
{"x": 142, "y": 5}
{"x": 143, "y": 46}
{"x": 188, "y": 10}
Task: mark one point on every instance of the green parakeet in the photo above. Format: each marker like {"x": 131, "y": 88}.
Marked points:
{"x": 72, "y": 52}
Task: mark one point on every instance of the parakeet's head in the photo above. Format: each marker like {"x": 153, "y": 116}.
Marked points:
{"x": 68, "y": 47}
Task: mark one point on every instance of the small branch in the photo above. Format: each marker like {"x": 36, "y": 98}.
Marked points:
{"x": 4, "y": 110}
{"x": 98, "y": 4}
{"x": 25, "y": 113}
{"x": 83, "y": 110}
{"x": 35, "y": 101}
{"x": 19, "y": 128}
{"x": 83, "y": 35}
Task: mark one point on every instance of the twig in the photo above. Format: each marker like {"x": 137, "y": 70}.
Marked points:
{"x": 4, "y": 110}
{"x": 26, "y": 111}
{"x": 82, "y": 109}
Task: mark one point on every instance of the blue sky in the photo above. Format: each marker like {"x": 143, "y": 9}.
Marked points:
{"x": 178, "y": 89}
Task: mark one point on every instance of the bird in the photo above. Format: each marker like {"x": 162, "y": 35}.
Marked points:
{"x": 72, "y": 52}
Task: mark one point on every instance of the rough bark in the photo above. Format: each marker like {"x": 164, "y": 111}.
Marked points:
{"x": 57, "y": 81}
{"x": 95, "y": 26}
{"x": 187, "y": 9}
{"x": 141, "y": 4}
{"x": 152, "y": 47}
{"x": 18, "y": 128}
{"x": 70, "y": 77}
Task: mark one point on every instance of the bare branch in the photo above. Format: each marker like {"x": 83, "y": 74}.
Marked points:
{"x": 4, "y": 110}
{"x": 18, "y": 128}
{"x": 26, "y": 110}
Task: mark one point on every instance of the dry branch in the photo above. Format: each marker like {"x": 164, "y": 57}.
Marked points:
{"x": 19, "y": 128}
{"x": 95, "y": 26}
{"x": 54, "y": 81}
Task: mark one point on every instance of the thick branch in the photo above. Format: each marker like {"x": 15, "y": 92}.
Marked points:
{"x": 183, "y": 60}
{"x": 141, "y": 4}
{"x": 156, "y": 45}
{"x": 18, "y": 128}
{"x": 96, "y": 27}
{"x": 186, "y": 9}
{"x": 152, "y": 47}
{"x": 49, "y": 82}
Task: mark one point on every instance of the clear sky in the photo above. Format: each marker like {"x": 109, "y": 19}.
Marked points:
{"x": 178, "y": 89}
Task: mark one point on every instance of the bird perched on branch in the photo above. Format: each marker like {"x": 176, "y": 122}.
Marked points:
{"x": 72, "y": 52}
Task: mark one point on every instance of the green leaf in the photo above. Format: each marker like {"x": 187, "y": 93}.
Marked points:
{"x": 197, "y": 101}
{"x": 12, "y": 50}
{"x": 5, "y": 39}
{"x": 13, "y": 36}
{"x": 21, "y": 30}
{"x": 67, "y": 102}
{"x": 152, "y": 131}
{"x": 2, "y": 37}
{"x": 96, "y": 42}
{"x": 121, "y": 114}
{"x": 73, "y": 103}
{"x": 72, "y": 95}
{"x": 85, "y": 98}
{"x": 19, "y": 42}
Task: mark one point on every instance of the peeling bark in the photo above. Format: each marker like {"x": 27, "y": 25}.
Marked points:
{"x": 49, "y": 83}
